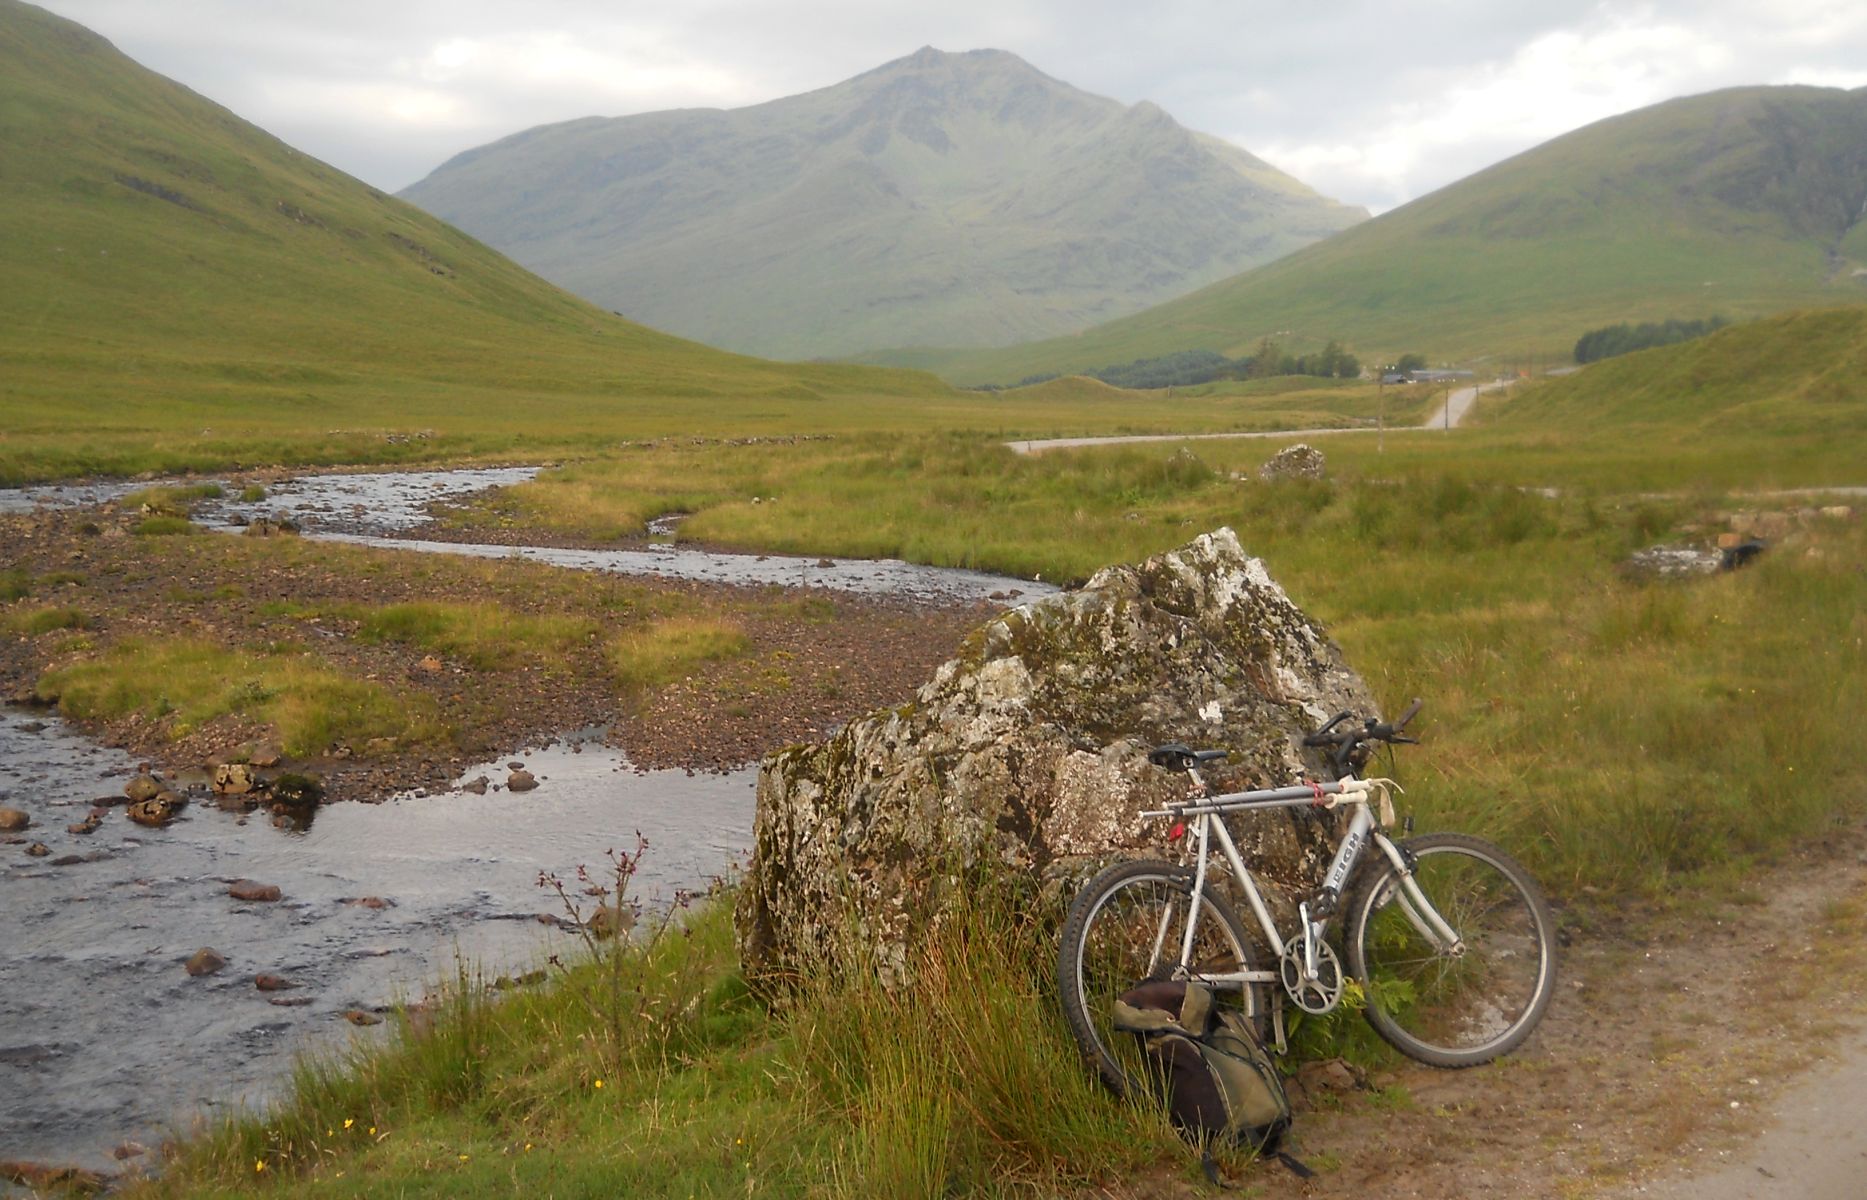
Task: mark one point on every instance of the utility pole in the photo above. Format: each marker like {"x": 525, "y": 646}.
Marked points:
{"x": 1380, "y": 411}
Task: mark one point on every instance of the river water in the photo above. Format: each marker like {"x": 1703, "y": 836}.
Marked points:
{"x": 106, "y": 1038}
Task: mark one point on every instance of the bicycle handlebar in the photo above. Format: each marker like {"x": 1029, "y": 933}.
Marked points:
{"x": 1357, "y": 739}
{"x": 1351, "y": 744}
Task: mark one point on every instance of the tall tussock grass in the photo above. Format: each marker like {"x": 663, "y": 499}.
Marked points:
{"x": 649, "y": 1067}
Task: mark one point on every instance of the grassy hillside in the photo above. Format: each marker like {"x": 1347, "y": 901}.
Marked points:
{"x": 178, "y": 288}
{"x": 1800, "y": 376}
{"x": 962, "y": 199}
{"x": 1740, "y": 203}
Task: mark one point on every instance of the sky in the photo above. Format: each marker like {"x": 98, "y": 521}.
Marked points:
{"x": 1375, "y": 102}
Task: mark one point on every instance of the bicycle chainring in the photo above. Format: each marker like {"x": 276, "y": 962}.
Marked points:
{"x": 1318, "y": 995}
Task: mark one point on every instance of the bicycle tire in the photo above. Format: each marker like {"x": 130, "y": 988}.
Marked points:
{"x": 1106, "y": 949}
{"x": 1442, "y": 1009}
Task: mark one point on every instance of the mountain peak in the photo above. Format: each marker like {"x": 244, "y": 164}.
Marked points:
{"x": 944, "y": 197}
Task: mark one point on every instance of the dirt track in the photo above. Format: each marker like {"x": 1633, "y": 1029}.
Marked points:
{"x": 1729, "y": 1043}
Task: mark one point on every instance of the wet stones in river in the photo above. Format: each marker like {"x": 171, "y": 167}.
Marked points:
{"x": 234, "y": 779}
{"x": 204, "y": 961}
{"x": 272, "y": 983}
{"x": 357, "y": 1016}
{"x": 38, "y": 850}
{"x": 296, "y": 792}
{"x": 156, "y": 811}
{"x": 476, "y": 786}
{"x": 521, "y": 781}
{"x": 141, "y": 788}
{"x": 89, "y": 825}
{"x": 12, "y": 820}
{"x": 254, "y": 892}
{"x": 263, "y": 754}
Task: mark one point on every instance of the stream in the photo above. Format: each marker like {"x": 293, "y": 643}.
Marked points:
{"x": 106, "y": 1037}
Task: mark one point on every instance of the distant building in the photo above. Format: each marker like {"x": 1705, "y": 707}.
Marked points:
{"x": 1424, "y": 376}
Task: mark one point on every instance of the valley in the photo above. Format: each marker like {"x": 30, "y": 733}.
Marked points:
{"x": 318, "y": 485}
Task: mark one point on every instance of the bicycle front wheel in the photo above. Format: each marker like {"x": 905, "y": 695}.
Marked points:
{"x": 1460, "y": 970}
{"x": 1127, "y": 927}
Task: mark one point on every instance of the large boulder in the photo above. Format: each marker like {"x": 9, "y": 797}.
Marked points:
{"x": 1027, "y": 756}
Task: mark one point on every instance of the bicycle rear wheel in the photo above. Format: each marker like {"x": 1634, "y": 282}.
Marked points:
{"x": 1463, "y": 1002}
{"x": 1126, "y": 927}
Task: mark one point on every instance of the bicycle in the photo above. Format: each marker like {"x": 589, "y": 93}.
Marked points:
{"x": 1450, "y": 945}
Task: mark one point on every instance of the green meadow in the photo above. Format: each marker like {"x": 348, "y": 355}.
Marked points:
{"x": 1636, "y": 744}
{"x": 1639, "y": 745}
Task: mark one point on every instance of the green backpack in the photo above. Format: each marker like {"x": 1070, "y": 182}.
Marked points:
{"x": 1215, "y": 1074}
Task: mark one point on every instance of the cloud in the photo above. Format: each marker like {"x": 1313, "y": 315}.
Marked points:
{"x": 1373, "y": 101}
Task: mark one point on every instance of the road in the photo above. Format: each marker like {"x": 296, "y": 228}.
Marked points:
{"x": 1814, "y": 1148}
{"x": 1447, "y": 416}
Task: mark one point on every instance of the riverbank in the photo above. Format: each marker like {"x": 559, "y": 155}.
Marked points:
{"x": 465, "y": 657}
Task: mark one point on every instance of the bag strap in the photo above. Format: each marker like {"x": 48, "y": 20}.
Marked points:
{"x": 1211, "y": 1166}
{"x": 1130, "y": 1019}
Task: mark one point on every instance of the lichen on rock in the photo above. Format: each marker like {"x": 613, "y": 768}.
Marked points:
{"x": 1026, "y": 755}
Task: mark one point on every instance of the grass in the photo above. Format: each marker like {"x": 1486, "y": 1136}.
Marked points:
{"x": 1641, "y": 742}
{"x": 163, "y": 527}
{"x": 172, "y": 501}
{"x": 653, "y": 1069}
{"x": 181, "y": 684}
{"x": 670, "y": 647}
{"x": 485, "y": 635}
{"x": 31, "y": 622}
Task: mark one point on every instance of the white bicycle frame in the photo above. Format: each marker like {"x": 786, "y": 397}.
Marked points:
{"x": 1204, "y": 812}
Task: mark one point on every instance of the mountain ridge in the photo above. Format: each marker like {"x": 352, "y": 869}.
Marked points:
{"x": 962, "y": 192}
{"x": 189, "y": 286}
{"x": 1734, "y": 203}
